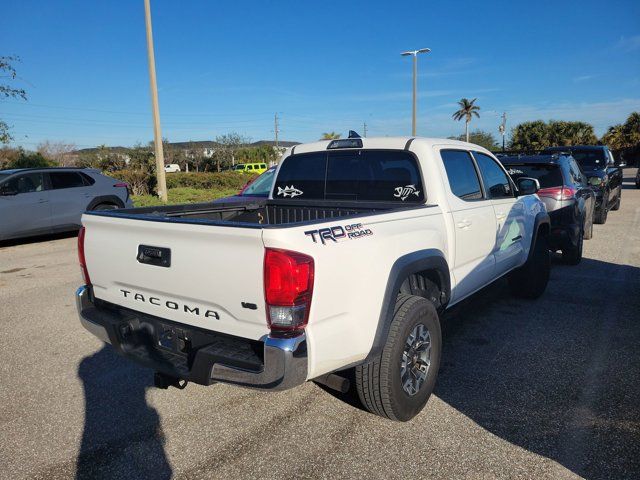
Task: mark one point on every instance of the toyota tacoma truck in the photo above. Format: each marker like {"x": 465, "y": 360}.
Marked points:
{"x": 343, "y": 272}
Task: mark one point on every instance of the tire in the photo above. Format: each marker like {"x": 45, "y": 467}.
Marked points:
{"x": 104, "y": 206}
{"x": 573, "y": 255}
{"x": 588, "y": 231}
{"x": 616, "y": 206}
{"x": 380, "y": 382}
{"x": 530, "y": 280}
{"x": 601, "y": 215}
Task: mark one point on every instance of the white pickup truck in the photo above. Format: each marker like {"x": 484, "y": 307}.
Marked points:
{"x": 347, "y": 266}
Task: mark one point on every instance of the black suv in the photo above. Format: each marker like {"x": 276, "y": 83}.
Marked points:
{"x": 604, "y": 175}
{"x": 566, "y": 193}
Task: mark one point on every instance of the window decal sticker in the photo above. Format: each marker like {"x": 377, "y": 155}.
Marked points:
{"x": 403, "y": 192}
{"x": 289, "y": 191}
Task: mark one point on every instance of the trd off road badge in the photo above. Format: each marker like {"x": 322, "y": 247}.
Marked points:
{"x": 289, "y": 191}
{"x": 403, "y": 192}
{"x": 337, "y": 233}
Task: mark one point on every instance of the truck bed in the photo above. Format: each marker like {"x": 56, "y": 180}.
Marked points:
{"x": 259, "y": 214}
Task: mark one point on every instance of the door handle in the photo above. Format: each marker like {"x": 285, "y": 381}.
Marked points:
{"x": 42, "y": 200}
{"x": 501, "y": 216}
{"x": 464, "y": 224}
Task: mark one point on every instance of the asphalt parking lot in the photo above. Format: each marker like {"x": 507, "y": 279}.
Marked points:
{"x": 543, "y": 389}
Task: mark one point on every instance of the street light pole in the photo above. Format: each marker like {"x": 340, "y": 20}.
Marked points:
{"x": 157, "y": 133}
{"x": 414, "y": 54}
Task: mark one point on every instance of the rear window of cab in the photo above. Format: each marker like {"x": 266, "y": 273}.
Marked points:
{"x": 355, "y": 175}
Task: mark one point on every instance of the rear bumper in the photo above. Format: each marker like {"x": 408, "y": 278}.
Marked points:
{"x": 188, "y": 353}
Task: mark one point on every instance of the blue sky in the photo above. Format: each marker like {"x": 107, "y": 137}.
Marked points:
{"x": 229, "y": 66}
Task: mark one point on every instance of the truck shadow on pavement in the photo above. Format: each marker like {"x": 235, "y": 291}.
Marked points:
{"x": 122, "y": 435}
{"x": 557, "y": 376}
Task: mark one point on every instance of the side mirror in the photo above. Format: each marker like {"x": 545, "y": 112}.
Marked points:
{"x": 527, "y": 185}
{"x": 595, "y": 181}
{"x": 7, "y": 191}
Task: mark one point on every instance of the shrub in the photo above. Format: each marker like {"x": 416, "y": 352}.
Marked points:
{"x": 208, "y": 181}
{"x": 140, "y": 182}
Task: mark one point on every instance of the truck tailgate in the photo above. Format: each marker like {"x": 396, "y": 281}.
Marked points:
{"x": 214, "y": 279}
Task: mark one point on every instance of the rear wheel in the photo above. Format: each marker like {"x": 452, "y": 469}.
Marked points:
{"x": 530, "y": 280}
{"x": 573, "y": 254}
{"x": 105, "y": 206}
{"x": 398, "y": 383}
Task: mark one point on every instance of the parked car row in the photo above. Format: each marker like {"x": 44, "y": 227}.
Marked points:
{"x": 579, "y": 185}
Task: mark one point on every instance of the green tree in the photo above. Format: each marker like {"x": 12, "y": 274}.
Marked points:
{"x": 467, "y": 110}
{"x": 30, "y": 160}
{"x": 227, "y": 148}
{"x": 528, "y": 136}
{"x": 261, "y": 154}
{"x": 624, "y": 135}
{"x": 7, "y": 70}
{"x": 330, "y": 136}
{"x": 480, "y": 137}
{"x": 615, "y": 137}
{"x": 563, "y": 133}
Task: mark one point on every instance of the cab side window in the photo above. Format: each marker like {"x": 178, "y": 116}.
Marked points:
{"x": 462, "y": 175}
{"x": 29, "y": 182}
{"x": 60, "y": 180}
{"x": 496, "y": 181}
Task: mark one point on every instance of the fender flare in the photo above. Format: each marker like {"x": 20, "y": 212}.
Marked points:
{"x": 542, "y": 218}
{"x": 105, "y": 199}
{"x": 428, "y": 259}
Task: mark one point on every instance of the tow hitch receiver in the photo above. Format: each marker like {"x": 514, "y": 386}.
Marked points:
{"x": 160, "y": 380}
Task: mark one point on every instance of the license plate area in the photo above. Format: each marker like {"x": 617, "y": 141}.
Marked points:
{"x": 174, "y": 339}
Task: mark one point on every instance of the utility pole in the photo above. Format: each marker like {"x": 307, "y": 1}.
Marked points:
{"x": 414, "y": 54}
{"x": 503, "y": 127}
{"x": 365, "y": 129}
{"x": 276, "y": 129}
{"x": 157, "y": 133}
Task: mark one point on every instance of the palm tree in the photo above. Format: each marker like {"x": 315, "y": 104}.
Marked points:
{"x": 467, "y": 110}
{"x": 330, "y": 136}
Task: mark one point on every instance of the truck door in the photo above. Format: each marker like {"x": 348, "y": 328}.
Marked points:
{"x": 474, "y": 224}
{"x": 509, "y": 213}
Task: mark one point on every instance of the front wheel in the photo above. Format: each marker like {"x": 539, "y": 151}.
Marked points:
{"x": 616, "y": 206}
{"x": 601, "y": 214}
{"x": 397, "y": 384}
{"x": 588, "y": 231}
{"x": 530, "y": 280}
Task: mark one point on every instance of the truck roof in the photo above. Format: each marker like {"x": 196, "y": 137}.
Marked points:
{"x": 391, "y": 143}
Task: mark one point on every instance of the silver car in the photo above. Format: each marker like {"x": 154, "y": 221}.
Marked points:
{"x": 37, "y": 201}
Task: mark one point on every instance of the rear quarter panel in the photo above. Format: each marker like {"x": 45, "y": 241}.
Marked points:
{"x": 351, "y": 276}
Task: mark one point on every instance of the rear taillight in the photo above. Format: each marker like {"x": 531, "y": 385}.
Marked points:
{"x": 558, "y": 193}
{"x": 288, "y": 287}
{"x": 123, "y": 185}
{"x": 81, "y": 258}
